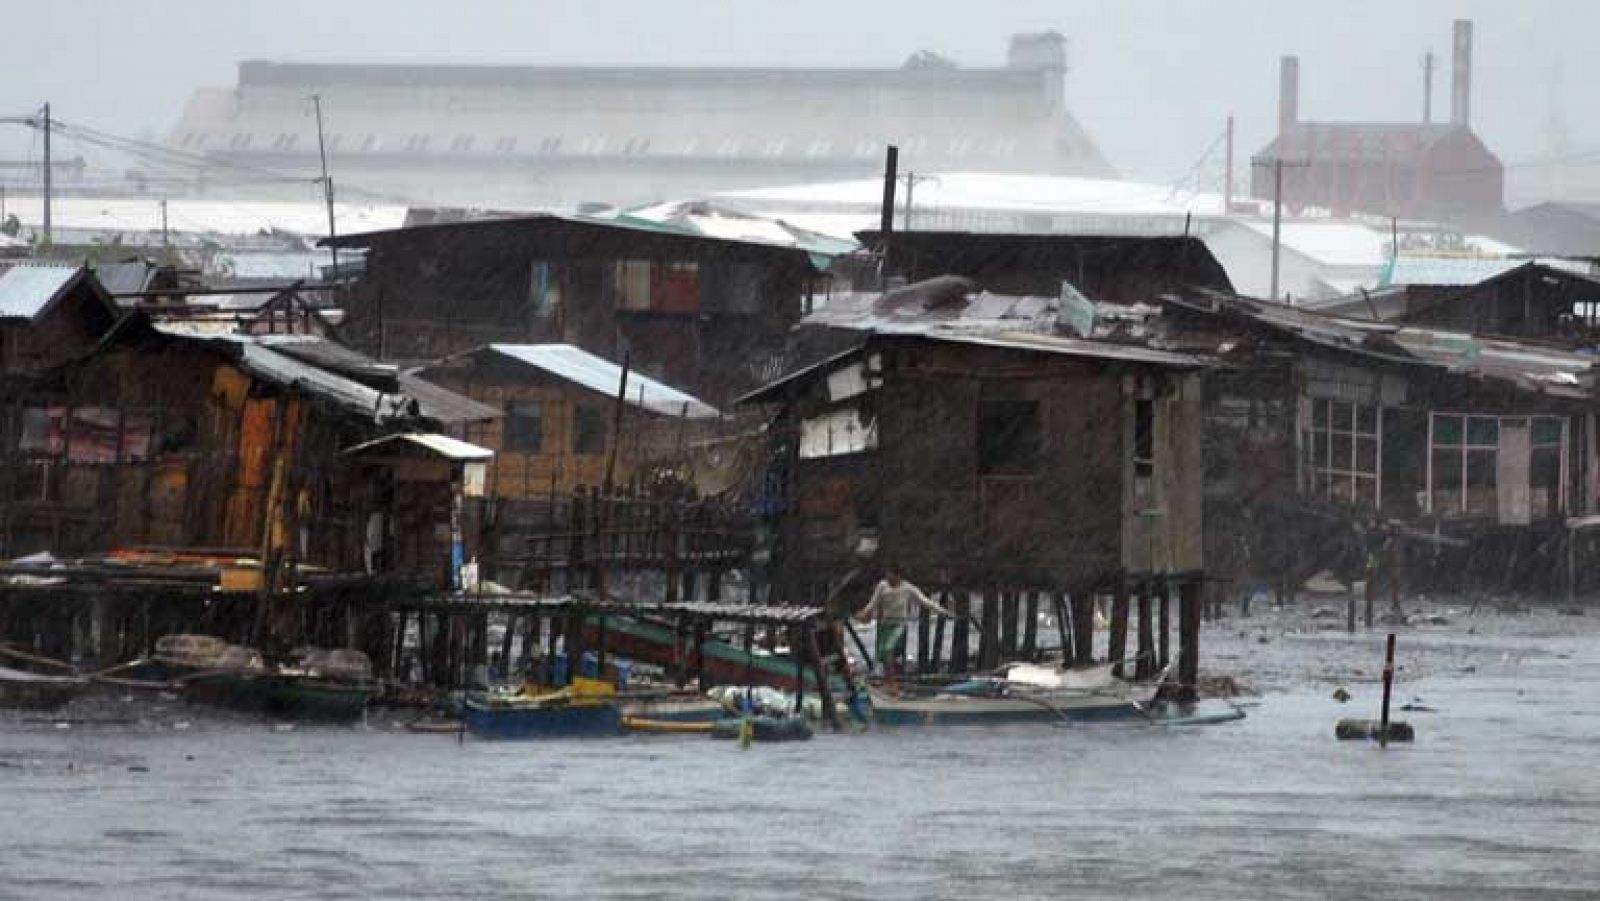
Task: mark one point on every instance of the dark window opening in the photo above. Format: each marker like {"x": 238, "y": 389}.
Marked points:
{"x": 588, "y": 430}
{"x": 1144, "y": 438}
{"x": 1010, "y": 441}
{"x": 524, "y": 426}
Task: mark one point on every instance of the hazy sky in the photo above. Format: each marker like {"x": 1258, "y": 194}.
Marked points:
{"x": 1152, "y": 81}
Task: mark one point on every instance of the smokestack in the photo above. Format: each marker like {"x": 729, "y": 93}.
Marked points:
{"x": 1288, "y": 93}
{"x": 1461, "y": 75}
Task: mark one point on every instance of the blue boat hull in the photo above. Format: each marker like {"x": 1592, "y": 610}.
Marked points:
{"x": 509, "y": 722}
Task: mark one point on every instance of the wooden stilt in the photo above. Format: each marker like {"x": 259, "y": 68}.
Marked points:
{"x": 922, "y": 639}
{"x": 1189, "y": 636}
{"x": 819, "y": 668}
{"x": 989, "y": 641}
{"x": 1030, "y": 626}
{"x": 1144, "y": 666}
{"x": 1082, "y": 602}
{"x": 1063, "y": 615}
{"x": 1164, "y": 626}
{"x": 936, "y": 652}
{"x": 1118, "y": 648}
{"x": 959, "y": 635}
{"x": 1008, "y": 626}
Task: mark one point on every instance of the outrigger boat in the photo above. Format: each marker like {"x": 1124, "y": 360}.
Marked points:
{"x": 1023, "y": 693}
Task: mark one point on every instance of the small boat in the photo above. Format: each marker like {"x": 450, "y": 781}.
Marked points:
{"x": 1090, "y": 696}
{"x": 676, "y": 708}
{"x": 584, "y": 709}
{"x": 668, "y": 727}
{"x": 35, "y": 691}
{"x": 763, "y": 728}
{"x": 332, "y": 686}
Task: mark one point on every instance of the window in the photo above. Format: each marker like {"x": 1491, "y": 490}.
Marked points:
{"x": 1009, "y": 438}
{"x": 671, "y": 286}
{"x": 86, "y": 434}
{"x": 240, "y": 141}
{"x": 369, "y": 143}
{"x": 1506, "y": 468}
{"x": 588, "y": 429}
{"x": 524, "y": 426}
{"x": 505, "y": 145}
{"x": 416, "y": 143}
{"x": 1144, "y": 438}
{"x": 461, "y": 144}
{"x": 632, "y": 282}
{"x": 285, "y": 141}
{"x": 1340, "y": 442}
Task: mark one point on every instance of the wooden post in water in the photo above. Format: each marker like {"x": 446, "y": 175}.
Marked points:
{"x": 1063, "y": 615}
{"x": 959, "y": 636}
{"x": 1164, "y": 626}
{"x": 818, "y": 667}
{"x": 1030, "y": 626}
{"x": 989, "y": 624}
{"x": 1144, "y": 666}
{"x": 1189, "y": 637}
{"x": 1118, "y": 645}
{"x": 1388, "y": 684}
{"x": 1008, "y": 625}
{"x": 936, "y": 652}
{"x": 1082, "y": 602}
{"x": 797, "y": 651}
{"x": 922, "y": 639}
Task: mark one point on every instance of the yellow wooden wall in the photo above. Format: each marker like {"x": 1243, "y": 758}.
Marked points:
{"x": 518, "y": 475}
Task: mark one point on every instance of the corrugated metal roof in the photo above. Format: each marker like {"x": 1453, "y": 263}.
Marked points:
{"x": 443, "y": 405}
{"x": 1075, "y": 347}
{"x": 443, "y": 445}
{"x": 269, "y": 365}
{"x": 1010, "y": 340}
{"x": 26, "y": 289}
{"x": 1465, "y": 271}
{"x": 1554, "y": 372}
{"x": 603, "y": 376}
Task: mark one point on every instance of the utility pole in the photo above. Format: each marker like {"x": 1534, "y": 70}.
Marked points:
{"x": 1427, "y": 87}
{"x": 327, "y": 186}
{"x": 1277, "y": 164}
{"x": 166, "y": 244}
{"x": 912, "y": 179}
{"x": 1227, "y": 173}
{"x": 49, "y": 232}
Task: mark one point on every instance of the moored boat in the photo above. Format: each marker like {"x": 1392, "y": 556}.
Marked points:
{"x": 1086, "y": 696}
{"x": 326, "y": 685}
{"x": 584, "y": 709}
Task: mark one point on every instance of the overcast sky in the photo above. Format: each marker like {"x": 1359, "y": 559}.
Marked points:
{"x": 1151, "y": 81}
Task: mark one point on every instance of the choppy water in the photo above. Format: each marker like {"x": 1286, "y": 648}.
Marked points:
{"x": 1499, "y": 798}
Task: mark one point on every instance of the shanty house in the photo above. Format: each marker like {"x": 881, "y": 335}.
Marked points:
{"x": 1016, "y": 459}
{"x": 228, "y": 442}
{"x": 561, "y": 429}
{"x": 50, "y": 313}
{"x": 709, "y": 314}
{"x": 1537, "y": 300}
{"x": 1469, "y": 452}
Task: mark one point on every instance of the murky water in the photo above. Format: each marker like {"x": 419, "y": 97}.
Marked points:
{"x": 1499, "y": 798}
